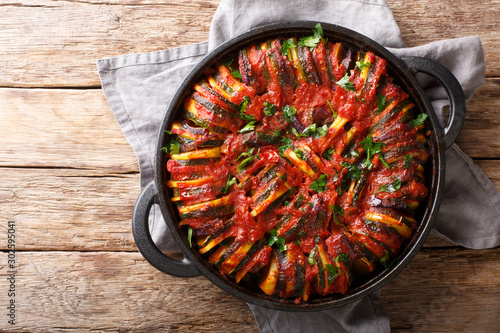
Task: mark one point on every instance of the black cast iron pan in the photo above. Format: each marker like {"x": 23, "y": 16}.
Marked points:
{"x": 403, "y": 70}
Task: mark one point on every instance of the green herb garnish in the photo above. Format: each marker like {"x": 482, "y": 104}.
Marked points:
{"x": 312, "y": 41}
{"x": 287, "y": 45}
{"x": 190, "y": 236}
{"x": 246, "y": 162}
{"x": 381, "y": 101}
{"x": 342, "y": 257}
{"x": 245, "y": 154}
{"x": 243, "y": 107}
{"x": 314, "y": 131}
{"x": 287, "y": 144}
{"x": 310, "y": 259}
{"x": 248, "y": 127}
{"x": 362, "y": 64}
{"x": 230, "y": 181}
{"x": 333, "y": 273}
{"x": 319, "y": 185}
{"x": 174, "y": 147}
{"x": 371, "y": 149}
{"x": 331, "y": 107}
{"x": 288, "y": 112}
{"x": 408, "y": 160}
{"x": 300, "y": 154}
{"x": 392, "y": 187}
{"x": 279, "y": 241}
{"x": 353, "y": 171}
{"x": 269, "y": 109}
{"x": 419, "y": 121}
{"x": 346, "y": 84}
{"x": 328, "y": 154}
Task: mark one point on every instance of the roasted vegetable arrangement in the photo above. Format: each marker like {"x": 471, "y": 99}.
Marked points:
{"x": 297, "y": 166}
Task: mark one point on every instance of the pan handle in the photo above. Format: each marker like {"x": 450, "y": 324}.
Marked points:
{"x": 142, "y": 237}
{"x": 453, "y": 89}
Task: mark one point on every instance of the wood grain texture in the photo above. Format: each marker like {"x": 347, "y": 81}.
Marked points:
{"x": 65, "y": 209}
{"x": 110, "y": 291}
{"x": 425, "y": 21}
{"x": 446, "y": 290}
{"x": 62, "y": 128}
{"x": 56, "y": 43}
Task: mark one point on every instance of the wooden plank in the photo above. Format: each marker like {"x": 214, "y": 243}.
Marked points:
{"x": 425, "y": 21}
{"x": 74, "y": 128}
{"x": 116, "y": 292}
{"x": 62, "y": 128}
{"x": 67, "y": 209}
{"x": 40, "y": 49}
{"x": 479, "y": 136}
{"x": 57, "y": 43}
{"x": 446, "y": 291}
{"x": 441, "y": 290}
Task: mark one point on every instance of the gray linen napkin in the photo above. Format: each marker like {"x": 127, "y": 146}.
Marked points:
{"x": 139, "y": 86}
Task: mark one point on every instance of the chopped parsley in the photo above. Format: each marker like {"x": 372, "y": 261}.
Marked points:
{"x": 248, "y": 127}
{"x": 383, "y": 161}
{"x": 408, "y": 160}
{"x": 174, "y": 147}
{"x": 287, "y": 45}
{"x": 419, "y": 121}
{"x": 190, "y": 236}
{"x": 319, "y": 185}
{"x": 381, "y": 102}
{"x": 300, "y": 154}
{"x": 288, "y": 112}
{"x": 342, "y": 257}
{"x": 362, "y": 64}
{"x": 246, "y": 162}
{"x": 333, "y": 273}
{"x": 236, "y": 73}
{"x": 346, "y": 84}
{"x": 287, "y": 144}
{"x": 245, "y": 154}
{"x": 353, "y": 171}
{"x": 328, "y": 154}
{"x": 243, "y": 107}
{"x": 278, "y": 240}
{"x": 269, "y": 109}
{"x": 314, "y": 131}
{"x": 230, "y": 181}
{"x": 310, "y": 259}
{"x": 331, "y": 107}
{"x": 312, "y": 41}
{"x": 371, "y": 149}
{"x": 392, "y": 187}
{"x": 337, "y": 211}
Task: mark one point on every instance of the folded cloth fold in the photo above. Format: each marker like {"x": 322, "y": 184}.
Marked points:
{"x": 138, "y": 88}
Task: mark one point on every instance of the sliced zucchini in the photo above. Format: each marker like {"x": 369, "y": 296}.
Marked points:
{"x": 270, "y": 276}
{"x": 197, "y": 154}
{"x": 215, "y": 208}
{"x": 190, "y": 183}
{"x": 393, "y": 220}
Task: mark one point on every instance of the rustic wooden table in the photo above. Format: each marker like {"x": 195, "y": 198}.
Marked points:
{"x": 69, "y": 179}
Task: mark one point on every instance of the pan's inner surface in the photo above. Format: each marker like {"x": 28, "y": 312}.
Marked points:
{"x": 426, "y": 210}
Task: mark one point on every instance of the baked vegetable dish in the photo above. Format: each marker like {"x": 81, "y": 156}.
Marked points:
{"x": 297, "y": 166}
